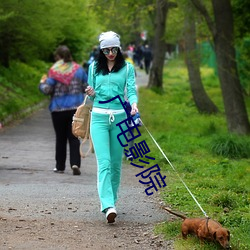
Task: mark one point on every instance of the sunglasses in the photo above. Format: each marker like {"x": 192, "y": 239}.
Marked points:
{"x": 106, "y": 51}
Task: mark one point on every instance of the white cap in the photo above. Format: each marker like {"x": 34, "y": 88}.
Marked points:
{"x": 109, "y": 39}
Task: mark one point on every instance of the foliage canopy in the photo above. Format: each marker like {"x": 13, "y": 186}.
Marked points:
{"x": 28, "y": 33}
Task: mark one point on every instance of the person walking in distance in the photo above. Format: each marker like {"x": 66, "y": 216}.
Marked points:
{"x": 147, "y": 54}
{"x": 108, "y": 77}
{"x": 65, "y": 84}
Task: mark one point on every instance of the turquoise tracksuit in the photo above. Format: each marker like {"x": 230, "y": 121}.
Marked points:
{"x": 104, "y": 131}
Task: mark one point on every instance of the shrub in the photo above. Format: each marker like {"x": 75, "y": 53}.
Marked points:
{"x": 223, "y": 200}
{"x": 231, "y": 146}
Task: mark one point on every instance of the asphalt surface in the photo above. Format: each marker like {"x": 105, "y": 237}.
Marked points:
{"x": 31, "y": 190}
{"x": 26, "y": 164}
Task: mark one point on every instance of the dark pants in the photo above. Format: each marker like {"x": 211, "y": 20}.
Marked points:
{"x": 62, "y": 122}
{"x": 147, "y": 65}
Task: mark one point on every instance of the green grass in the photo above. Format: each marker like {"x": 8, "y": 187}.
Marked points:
{"x": 19, "y": 88}
{"x": 214, "y": 164}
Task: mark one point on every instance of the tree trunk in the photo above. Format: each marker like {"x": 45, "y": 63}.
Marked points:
{"x": 159, "y": 46}
{"x": 201, "y": 99}
{"x": 223, "y": 38}
{"x": 235, "y": 109}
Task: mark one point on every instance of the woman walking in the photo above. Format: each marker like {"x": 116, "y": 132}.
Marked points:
{"x": 65, "y": 84}
{"x": 109, "y": 76}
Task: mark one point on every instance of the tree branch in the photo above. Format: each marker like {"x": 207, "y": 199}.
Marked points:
{"x": 202, "y": 9}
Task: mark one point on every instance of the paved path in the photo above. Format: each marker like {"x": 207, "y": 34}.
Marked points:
{"x": 141, "y": 78}
{"x": 31, "y": 191}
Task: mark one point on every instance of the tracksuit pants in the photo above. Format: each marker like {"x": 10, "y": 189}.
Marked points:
{"x": 109, "y": 152}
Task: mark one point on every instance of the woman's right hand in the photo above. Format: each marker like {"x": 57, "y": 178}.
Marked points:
{"x": 90, "y": 91}
{"x": 134, "y": 109}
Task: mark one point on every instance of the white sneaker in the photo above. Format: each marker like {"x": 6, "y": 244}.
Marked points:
{"x": 76, "y": 170}
{"x": 111, "y": 214}
{"x": 58, "y": 171}
{"x": 130, "y": 158}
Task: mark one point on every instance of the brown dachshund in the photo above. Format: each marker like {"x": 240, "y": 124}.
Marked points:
{"x": 204, "y": 229}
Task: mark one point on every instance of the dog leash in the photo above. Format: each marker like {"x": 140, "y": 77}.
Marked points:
{"x": 174, "y": 170}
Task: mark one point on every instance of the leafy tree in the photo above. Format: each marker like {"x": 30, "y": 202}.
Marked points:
{"x": 156, "y": 72}
{"x": 242, "y": 34}
{"x": 201, "y": 99}
{"x": 28, "y": 33}
{"x": 241, "y": 18}
{"x": 24, "y": 32}
{"x": 126, "y": 17}
{"x": 221, "y": 28}
{"x": 175, "y": 24}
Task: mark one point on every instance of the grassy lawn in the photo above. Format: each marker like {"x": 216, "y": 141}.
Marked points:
{"x": 19, "y": 88}
{"x": 214, "y": 164}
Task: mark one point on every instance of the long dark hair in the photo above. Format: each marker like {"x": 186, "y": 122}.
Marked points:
{"x": 102, "y": 67}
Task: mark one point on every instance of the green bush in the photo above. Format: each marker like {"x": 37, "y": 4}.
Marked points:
{"x": 223, "y": 200}
{"x": 19, "y": 87}
{"x": 231, "y": 146}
